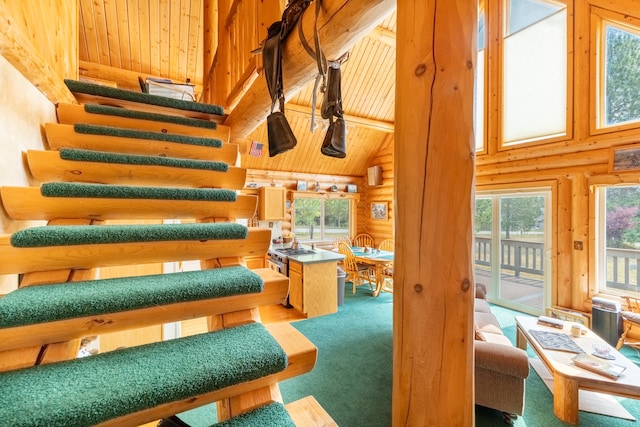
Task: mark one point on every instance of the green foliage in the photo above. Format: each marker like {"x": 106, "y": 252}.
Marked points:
{"x": 307, "y": 212}
{"x": 622, "y": 222}
{"x": 622, "y": 76}
{"x": 336, "y": 212}
{"x": 483, "y": 218}
{"x": 520, "y": 214}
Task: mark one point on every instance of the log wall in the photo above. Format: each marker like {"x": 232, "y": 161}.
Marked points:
{"x": 379, "y": 229}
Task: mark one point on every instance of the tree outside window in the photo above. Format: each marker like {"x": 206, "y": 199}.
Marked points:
{"x": 321, "y": 219}
{"x": 622, "y": 76}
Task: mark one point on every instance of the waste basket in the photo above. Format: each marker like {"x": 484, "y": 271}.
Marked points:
{"x": 341, "y": 278}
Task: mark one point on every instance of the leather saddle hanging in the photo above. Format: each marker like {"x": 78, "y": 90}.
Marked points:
{"x": 279, "y": 133}
{"x": 335, "y": 140}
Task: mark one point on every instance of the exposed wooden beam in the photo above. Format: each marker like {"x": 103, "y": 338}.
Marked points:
{"x": 17, "y": 48}
{"x": 379, "y": 125}
{"x": 341, "y": 24}
{"x": 383, "y": 35}
{"x": 125, "y": 79}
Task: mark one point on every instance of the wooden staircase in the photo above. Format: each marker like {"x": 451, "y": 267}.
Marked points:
{"x": 104, "y": 197}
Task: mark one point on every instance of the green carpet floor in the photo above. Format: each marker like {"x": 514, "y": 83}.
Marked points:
{"x": 352, "y": 378}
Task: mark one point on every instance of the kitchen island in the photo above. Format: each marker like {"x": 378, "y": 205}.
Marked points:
{"x": 313, "y": 285}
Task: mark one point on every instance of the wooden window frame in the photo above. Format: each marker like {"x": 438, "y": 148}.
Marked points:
{"x": 600, "y": 19}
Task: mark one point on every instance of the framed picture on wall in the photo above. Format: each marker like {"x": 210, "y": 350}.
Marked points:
{"x": 352, "y": 188}
{"x": 302, "y": 186}
{"x": 379, "y": 210}
{"x": 624, "y": 159}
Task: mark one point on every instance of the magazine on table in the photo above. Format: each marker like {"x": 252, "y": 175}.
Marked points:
{"x": 598, "y": 365}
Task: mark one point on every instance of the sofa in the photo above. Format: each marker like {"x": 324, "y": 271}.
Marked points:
{"x": 500, "y": 367}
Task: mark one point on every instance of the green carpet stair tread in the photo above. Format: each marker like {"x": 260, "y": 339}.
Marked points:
{"x": 59, "y": 301}
{"x": 272, "y": 415}
{"x": 142, "y": 115}
{"x": 144, "y": 98}
{"x": 70, "y": 189}
{"x": 135, "y": 159}
{"x": 67, "y": 235}
{"x": 89, "y": 129}
{"x": 93, "y": 389}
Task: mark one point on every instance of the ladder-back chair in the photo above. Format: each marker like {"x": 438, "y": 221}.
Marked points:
{"x": 357, "y": 273}
{"x": 387, "y": 269}
{"x": 363, "y": 240}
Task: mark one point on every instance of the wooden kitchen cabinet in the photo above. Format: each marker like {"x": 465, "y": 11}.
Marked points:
{"x": 313, "y": 287}
{"x": 271, "y": 203}
{"x": 296, "y": 286}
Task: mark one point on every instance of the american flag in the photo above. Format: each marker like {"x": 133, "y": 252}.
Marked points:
{"x": 256, "y": 149}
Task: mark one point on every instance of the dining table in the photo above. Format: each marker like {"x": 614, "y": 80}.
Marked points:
{"x": 379, "y": 259}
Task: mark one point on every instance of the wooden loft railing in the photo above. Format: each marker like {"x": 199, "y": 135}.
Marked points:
{"x": 242, "y": 25}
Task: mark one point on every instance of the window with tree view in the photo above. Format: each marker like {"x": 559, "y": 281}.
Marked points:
{"x": 619, "y": 248}
{"x": 620, "y": 100}
{"x": 321, "y": 219}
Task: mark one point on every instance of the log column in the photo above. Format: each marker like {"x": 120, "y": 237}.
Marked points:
{"x": 434, "y": 163}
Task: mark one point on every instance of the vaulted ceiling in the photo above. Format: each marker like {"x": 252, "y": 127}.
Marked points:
{"x": 120, "y": 40}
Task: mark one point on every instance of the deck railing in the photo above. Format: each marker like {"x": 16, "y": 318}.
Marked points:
{"x": 622, "y": 269}
{"x": 515, "y": 255}
{"x": 521, "y": 256}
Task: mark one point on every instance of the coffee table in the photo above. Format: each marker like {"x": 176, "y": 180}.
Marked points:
{"x": 568, "y": 378}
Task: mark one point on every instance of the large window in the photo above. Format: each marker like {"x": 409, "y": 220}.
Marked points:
{"x": 317, "y": 219}
{"x": 478, "y": 95}
{"x": 619, "y": 239}
{"x": 619, "y": 96}
{"x": 534, "y": 71}
{"x": 512, "y": 241}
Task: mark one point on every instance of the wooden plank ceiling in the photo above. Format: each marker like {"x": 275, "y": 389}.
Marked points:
{"x": 122, "y": 39}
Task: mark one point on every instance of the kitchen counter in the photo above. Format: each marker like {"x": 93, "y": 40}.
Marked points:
{"x": 320, "y": 255}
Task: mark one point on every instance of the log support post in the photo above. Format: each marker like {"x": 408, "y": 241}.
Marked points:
{"x": 434, "y": 162}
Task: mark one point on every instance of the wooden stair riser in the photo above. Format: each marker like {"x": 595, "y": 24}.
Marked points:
{"x": 27, "y": 203}
{"x": 84, "y": 98}
{"x": 47, "y": 166}
{"x": 64, "y": 136}
{"x": 22, "y": 260}
{"x": 275, "y": 290}
{"x": 301, "y": 354}
{"x": 70, "y": 114}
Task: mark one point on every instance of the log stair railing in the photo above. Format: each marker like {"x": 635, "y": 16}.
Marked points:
{"x": 238, "y": 363}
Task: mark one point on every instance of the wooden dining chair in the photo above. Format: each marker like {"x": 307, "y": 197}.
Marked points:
{"x": 387, "y": 245}
{"x": 363, "y": 240}
{"x": 357, "y": 273}
{"x": 337, "y": 240}
{"x": 631, "y": 320}
{"x": 387, "y": 269}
